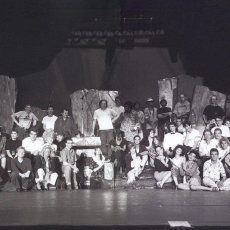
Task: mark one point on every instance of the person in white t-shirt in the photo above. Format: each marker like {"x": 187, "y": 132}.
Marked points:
{"x": 119, "y": 109}
{"x": 191, "y": 136}
{"x": 49, "y": 120}
{"x": 217, "y": 136}
{"x": 105, "y": 117}
{"x": 224, "y": 128}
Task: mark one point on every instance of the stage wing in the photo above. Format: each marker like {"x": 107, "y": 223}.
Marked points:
{"x": 8, "y": 95}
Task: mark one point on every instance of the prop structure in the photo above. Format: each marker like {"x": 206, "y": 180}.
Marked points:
{"x": 171, "y": 88}
{"x": 8, "y": 95}
{"x": 85, "y": 102}
{"x": 201, "y": 98}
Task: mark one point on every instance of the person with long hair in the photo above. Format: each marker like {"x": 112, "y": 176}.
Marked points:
{"x": 162, "y": 172}
{"x": 224, "y": 148}
{"x": 177, "y": 160}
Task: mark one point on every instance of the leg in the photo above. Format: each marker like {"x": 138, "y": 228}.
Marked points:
{"x": 183, "y": 186}
{"x": 208, "y": 182}
{"x": 198, "y": 187}
{"x": 16, "y": 180}
{"x": 102, "y": 134}
{"x": 41, "y": 174}
{"x": 109, "y": 137}
{"x": 67, "y": 171}
{"x": 131, "y": 176}
{"x": 166, "y": 177}
{"x": 53, "y": 178}
{"x": 163, "y": 177}
{"x": 226, "y": 185}
{"x": 75, "y": 184}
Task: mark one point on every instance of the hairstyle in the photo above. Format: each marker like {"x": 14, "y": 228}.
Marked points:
{"x": 214, "y": 150}
{"x": 136, "y": 137}
{"x": 194, "y": 152}
{"x": 129, "y": 104}
{"x": 100, "y": 102}
{"x": 207, "y": 130}
{"x": 68, "y": 139}
{"x": 218, "y": 129}
{"x": 148, "y": 131}
{"x": 163, "y": 100}
{"x": 131, "y": 145}
{"x": 187, "y": 123}
{"x": 117, "y": 97}
{"x": 226, "y": 119}
{"x": 183, "y": 94}
{"x": 14, "y": 130}
{"x": 135, "y": 103}
{"x": 44, "y": 149}
{"x": 164, "y": 152}
{"x": 222, "y": 139}
{"x": 20, "y": 148}
{"x": 34, "y": 130}
{"x": 28, "y": 105}
{"x": 175, "y": 149}
{"x": 218, "y": 117}
{"x": 156, "y": 137}
{"x": 62, "y": 111}
{"x": 171, "y": 123}
{"x": 47, "y": 135}
{"x": 95, "y": 152}
{"x": 119, "y": 132}
{"x": 49, "y": 106}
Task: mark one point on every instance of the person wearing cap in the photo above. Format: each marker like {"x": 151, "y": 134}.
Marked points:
{"x": 25, "y": 119}
{"x": 212, "y": 111}
{"x": 182, "y": 108}
{"x": 163, "y": 114}
{"x": 150, "y": 114}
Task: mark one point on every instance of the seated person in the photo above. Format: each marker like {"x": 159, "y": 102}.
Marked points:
{"x": 25, "y": 120}
{"x": 69, "y": 167}
{"x": 191, "y": 136}
{"x": 133, "y": 165}
{"x": 180, "y": 128}
{"x": 162, "y": 172}
{"x": 177, "y": 160}
{"x": 182, "y": 108}
{"x": 118, "y": 147}
{"x": 48, "y": 139}
{"x": 227, "y": 164}
{"x": 224, "y": 128}
{"x": 190, "y": 171}
{"x": 22, "y": 175}
{"x": 205, "y": 145}
{"x": 60, "y": 142}
{"x": 11, "y": 146}
{"x": 172, "y": 139}
{"x": 216, "y": 140}
{"x": 214, "y": 175}
{"x": 32, "y": 144}
{"x": 224, "y": 148}
{"x": 141, "y": 151}
{"x": 2, "y": 166}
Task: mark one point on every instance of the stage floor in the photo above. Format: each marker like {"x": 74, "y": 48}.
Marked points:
{"x": 145, "y": 207}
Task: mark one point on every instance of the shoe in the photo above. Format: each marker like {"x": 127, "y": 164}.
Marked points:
{"x": 68, "y": 187}
{"x": 39, "y": 186}
{"x": 18, "y": 189}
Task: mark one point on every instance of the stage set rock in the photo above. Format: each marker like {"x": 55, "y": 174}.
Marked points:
{"x": 85, "y": 102}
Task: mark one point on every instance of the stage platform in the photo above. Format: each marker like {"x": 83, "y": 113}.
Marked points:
{"x": 91, "y": 209}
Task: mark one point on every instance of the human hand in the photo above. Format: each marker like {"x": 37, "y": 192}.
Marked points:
{"x": 34, "y": 123}
{"x": 21, "y": 175}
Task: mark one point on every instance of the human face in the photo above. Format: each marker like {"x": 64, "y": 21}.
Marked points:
{"x": 155, "y": 141}
{"x": 126, "y": 108}
{"x": 207, "y": 135}
{"x": 214, "y": 156}
{"x": 224, "y": 145}
{"x": 118, "y": 102}
{"x": 98, "y": 152}
{"x": 219, "y": 121}
{"x": 50, "y": 140}
{"x": 69, "y": 144}
{"x": 14, "y": 135}
{"x": 191, "y": 157}
{"x": 137, "y": 140}
{"x": 47, "y": 153}
{"x": 159, "y": 151}
{"x": 182, "y": 97}
{"x": 178, "y": 151}
{"x": 150, "y": 103}
{"x": 60, "y": 138}
{"x": 50, "y": 111}
{"x": 21, "y": 153}
{"x": 33, "y": 135}
{"x": 137, "y": 106}
{"x": 65, "y": 114}
{"x": 213, "y": 100}
{"x": 132, "y": 150}
{"x": 217, "y": 134}
{"x": 103, "y": 105}
{"x": 178, "y": 122}
{"x": 187, "y": 127}
{"x": 151, "y": 134}
{"x": 163, "y": 104}
{"x": 28, "y": 109}
{"x": 119, "y": 136}
{"x": 172, "y": 128}
{"x": 227, "y": 123}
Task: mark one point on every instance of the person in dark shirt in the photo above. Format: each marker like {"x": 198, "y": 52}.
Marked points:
{"x": 163, "y": 114}
{"x": 22, "y": 171}
{"x": 212, "y": 111}
{"x": 162, "y": 168}
{"x": 60, "y": 142}
{"x": 11, "y": 147}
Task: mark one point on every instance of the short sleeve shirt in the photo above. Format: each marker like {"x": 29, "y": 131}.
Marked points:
{"x": 12, "y": 145}
{"x": 104, "y": 118}
{"x": 68, "y": 156}
{"x": 164, "y": 110}
{"x": 49, "y": 121}
{"x": 192, "y": 137}
{"x": 211, "y": 112}
{"x": 25, "y": 119}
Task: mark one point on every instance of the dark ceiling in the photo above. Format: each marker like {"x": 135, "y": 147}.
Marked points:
{"x": 32, "y": 32}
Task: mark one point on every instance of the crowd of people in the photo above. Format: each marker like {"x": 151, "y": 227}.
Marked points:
{"x": 130, "y": 138}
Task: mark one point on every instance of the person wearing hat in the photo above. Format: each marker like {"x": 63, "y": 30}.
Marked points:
{"x": 163, "y": 114}
{"x": 150, "y": 114}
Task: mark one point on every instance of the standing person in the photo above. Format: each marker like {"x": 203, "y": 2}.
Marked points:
{"x": 129, "y": 121}
{"x": 11, "y": 148}
{"x": 182, "y": 108}
{"x": 192, "y": 137}
{"x": 119, "y": 109}
{"x": 69, "y": 167}
{"x": 65, "y": 125}
{"x": 172, "y": 139}
{"x": 140, "y": 117}
{"x": 49, "y": 120}
{"x": 190, "y": 171}
{"x": 162, "y": 172}
{"x": 214, "y": 175}
{"x": 22, "y": 171}
{"x": 212, "y": 111}
{"x": 224, "y": 128}
{"x": 25, "y": 119}
{"x": 150, "y": 114}
{"x": 118, "y": 146}
{"x": 105, "y": 118}
{"x": 163, "y": 114}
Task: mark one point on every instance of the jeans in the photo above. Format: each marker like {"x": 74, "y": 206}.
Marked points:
{"x": 69, "y": 174}
{"x": 20, "y": 182}
{"x": 106, "y": 136}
